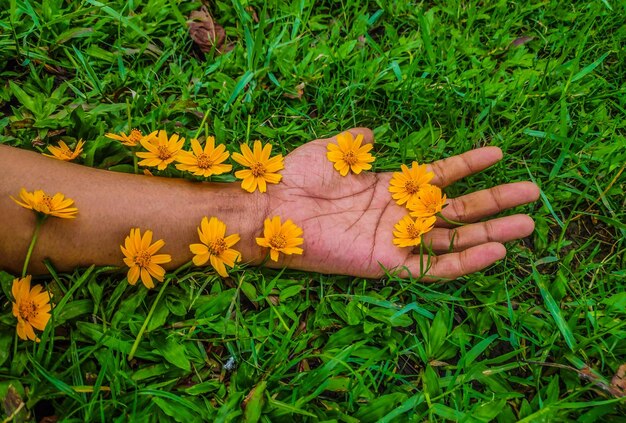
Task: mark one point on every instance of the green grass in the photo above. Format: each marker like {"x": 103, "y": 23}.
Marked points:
{"x": 532, "y": 338}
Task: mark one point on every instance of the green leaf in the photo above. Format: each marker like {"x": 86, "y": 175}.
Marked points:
{"x": 72, "y": 310}
{"x": 555, "y": 311}
{"x": 476, "y": 350}
{"x": 379, "y": 407}
{"x": 217, "y": 304}
{"x": 172, "y": 350}
{"x": 589, "y": 68}
{"x": 25, "y": 99}
{"x": 289, "y": 292}
{"x": 204, "y": 387}
{"x": 6, "y": 340}
{"x": 256, "y": 401}
{"x": 111, "y": 339}
{"x": 159, "y": 317}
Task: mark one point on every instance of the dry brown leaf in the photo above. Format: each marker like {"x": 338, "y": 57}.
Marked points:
{"x": 619, "y": 380}
{"x": 437, "y": 363}
{"x": 298, "y": 94}
{"x": 13, "y": 405}
{"x": 615, "y": 388}
{"x": 207, "y": 34}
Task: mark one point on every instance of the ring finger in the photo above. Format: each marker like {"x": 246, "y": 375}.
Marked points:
{"x": 500, "y": 230}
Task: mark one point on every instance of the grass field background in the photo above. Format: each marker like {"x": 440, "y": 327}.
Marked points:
{"x": 536, "y": 337}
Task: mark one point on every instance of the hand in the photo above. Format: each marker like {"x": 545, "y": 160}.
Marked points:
{"x": 348, "y": 221}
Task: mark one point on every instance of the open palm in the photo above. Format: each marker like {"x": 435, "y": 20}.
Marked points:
{"x": 348, "y": 221}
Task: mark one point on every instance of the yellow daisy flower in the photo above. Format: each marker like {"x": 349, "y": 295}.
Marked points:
{"x": 262, "y": 168}
{"x": 31, "y": 307}
{"x": 409, "y": 232}
{"x": 205, "y": 162}
{"x": 43, "y": 204}
{"x": 405, "y": 185}
{"x": 429, "y": 202}
{"x": 63, "y": 152}
{"x": 279, "y": 238}
{"x": 162, "y": 151}
{"x": 348, "y": 154}
{"x": 130, "y": 140}
{"x": 141, "y": 258}
{"x": 215, "y": 246}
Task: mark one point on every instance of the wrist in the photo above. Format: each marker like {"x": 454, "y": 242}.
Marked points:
{"x": 241, "y": 211}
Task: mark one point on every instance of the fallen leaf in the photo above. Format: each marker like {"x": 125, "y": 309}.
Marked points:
{"x": 207, "y": 34}
{"x": 521, "y": 41}
{"x": 619, "y": 380}
{"x": 13, "y": 406}
{"x": 614, "y": 388}
{"x": 298, "y": 94}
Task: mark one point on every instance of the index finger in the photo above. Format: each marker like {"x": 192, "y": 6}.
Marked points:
{"x": 458, "y": 167}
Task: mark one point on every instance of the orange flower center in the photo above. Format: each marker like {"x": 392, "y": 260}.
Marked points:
{"x": 350, "y": 158}
{"x": 142, "y": 258}
{"x": 217, "y": 247}
{"x": 164, "y": 153}
{"x": 28, "y": 309}
{"x": 257, "y": 169}
{"x": 67, "y": 152}
{"x": 413, "y": 231}
{"x": 135, "y": 135}
{"x": 45, "y": 205}
{"x": 278, "y": 241}
{"x": 204, "y": 161}
{"x": 411, "y": 187}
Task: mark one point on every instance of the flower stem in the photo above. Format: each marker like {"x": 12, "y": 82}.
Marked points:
{"x": 452, "y": 222}
{"x": 31, "y": 247}
{"x": 135, "y": 163}
{"x": 133, "y": 350}
{"x": 201, "y": 127}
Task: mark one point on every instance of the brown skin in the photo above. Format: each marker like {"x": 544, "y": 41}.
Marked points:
{"x": 347, "y": 221}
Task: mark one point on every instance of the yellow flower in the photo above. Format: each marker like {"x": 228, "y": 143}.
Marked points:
{"x": 215, "y": 246}
{"x": 162, "y": 151}
{"x": 262, "y": 168}
{"x": 409, "y": 232}
{"x": 348, "y": 154}
{"x": 31, "y": 307}
{"x": 205, "y": 162}
{"x": 279, "y": 238}
{"x": 429, "y": 202}
{"x": 43, "y": 204}
{"x": 405, "y": 185}
{"x": 130, "y": 140}
{"x": 63, "y": 152}
{"x": 141, "y": 258}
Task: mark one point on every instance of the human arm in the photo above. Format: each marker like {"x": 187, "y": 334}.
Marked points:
{"x": 347, "y": 221}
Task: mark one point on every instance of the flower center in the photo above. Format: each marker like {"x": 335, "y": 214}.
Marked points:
{"x": 204, "y": 162}
{"x": 217, "y": 247}
{"x": 164, "y": 153}
{"x": 350, "y": 158}
{"x": 278, "y": 241}
{"x": 413, "y": 231}
{"x": 142, "y": 258}
{"x": 28, "y": 310}
{"x": 411, "y": 187}
{"x": 135, "y": 135}
{"x": 67, "y": 152}
{"x": 45, "y": 205}
{"x": 257, "y": 169}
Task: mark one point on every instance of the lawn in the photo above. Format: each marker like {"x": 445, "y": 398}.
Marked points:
{"x": 539, "y": 336}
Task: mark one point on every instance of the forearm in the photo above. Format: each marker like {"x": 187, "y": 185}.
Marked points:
{"x": 109, "y": 205}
